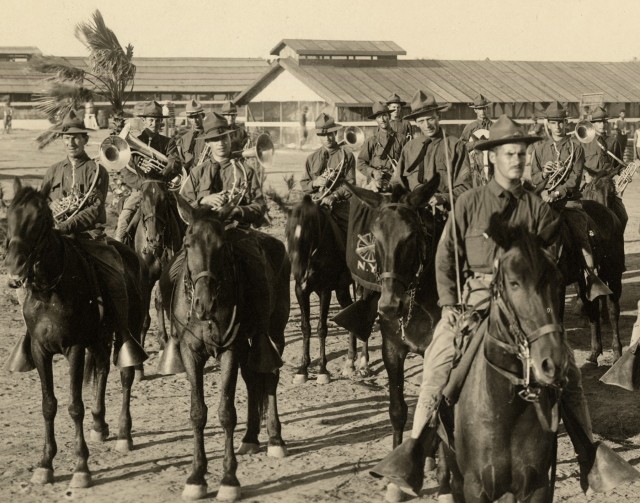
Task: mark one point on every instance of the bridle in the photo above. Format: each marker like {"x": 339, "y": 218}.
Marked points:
{"x": 411, "y": 283}
{"x": 151, "y": 248}
{"x": 518, "y": 341}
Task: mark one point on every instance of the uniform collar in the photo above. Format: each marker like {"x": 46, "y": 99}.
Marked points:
{"x": 500, "y": 191}
{"x": 80, "y": 161}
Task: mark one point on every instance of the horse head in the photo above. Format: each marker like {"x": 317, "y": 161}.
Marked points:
{"x": 29, "y": 222}
{"x": 526, "y": 302}
{"x": 304, "y": 231}
{"x": 208, "y": 260}
{"x": 154, "y": 208}
{"x": 404, "y": 235}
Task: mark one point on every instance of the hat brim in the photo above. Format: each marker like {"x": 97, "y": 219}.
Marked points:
{"x": 401, "y": 103}
{"x": 155, "y": 116}
{"x": 486, "y": 105}
{"x": 73, "y": 130}
{"x": 556, "y": 118}
{"x": 194, "y": 112}
{"x": 489, "y": 144}
{"x": 215, "y": 134}
{"x": 425, "y": 111}
{"x": 324, "y": 132}
{"x": 373, "y": 116}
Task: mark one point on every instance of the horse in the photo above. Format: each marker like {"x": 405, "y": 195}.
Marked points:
{"x": 319, "y": 266}
{"x": 608, "y": 253}
{"x": 505, "y": 440}
{"x": 63, "y": 316}
{"x": 210, "y": 317}
{"x": 157, "y": 238}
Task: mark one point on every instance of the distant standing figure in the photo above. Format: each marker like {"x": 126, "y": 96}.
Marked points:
{"x": 304, "y": 134}
{"x": 621, "y": 131}
{"x": 8, "y": 117}
{"x": 636, "y": 144}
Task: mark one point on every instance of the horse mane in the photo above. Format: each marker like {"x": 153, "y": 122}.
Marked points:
{"x": 303, "y": 234}
{"x": 28, "y": 195}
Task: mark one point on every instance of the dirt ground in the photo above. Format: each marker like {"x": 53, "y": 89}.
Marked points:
{"x": 334, "y": 432}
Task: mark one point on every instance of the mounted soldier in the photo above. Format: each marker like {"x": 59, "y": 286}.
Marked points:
{"x": 399, "y": 124}
{"x": 239, "y": 136}
{"x": 480, "y": 106}
{"x": 190, "y": 145}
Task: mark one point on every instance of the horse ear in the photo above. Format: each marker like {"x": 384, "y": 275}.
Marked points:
{"x": 419, "y": 197}
{"x": 17, "y": 185}
{"x": 365, "y": 196}
{"x": 500, "y": 232}
{"x": 224, "y": 212}
{"x": 185, "y": 209}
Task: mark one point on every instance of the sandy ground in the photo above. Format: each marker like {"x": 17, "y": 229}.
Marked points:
{"x": 335, "y": 432}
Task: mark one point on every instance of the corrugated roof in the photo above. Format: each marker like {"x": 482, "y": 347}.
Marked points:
{"x": 341, "y": 47}
{"x": 459, "y": 81}
{"x": 178, "y": 75}
{"x": 19, "y": 50}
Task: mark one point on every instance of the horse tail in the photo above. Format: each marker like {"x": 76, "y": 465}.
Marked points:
{"x": 303, "y": 235}
{"x": 90, "y": 369}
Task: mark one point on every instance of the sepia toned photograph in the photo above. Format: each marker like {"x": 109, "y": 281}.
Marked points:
{"x": 318, "y": 252}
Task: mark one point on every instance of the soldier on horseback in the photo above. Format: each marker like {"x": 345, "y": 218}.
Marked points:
{"x": 191, "y": 144}
{"x": 80, "y": 176}
{"x": 476, "y": 253}
{"x": 556, "y": 172}
{"x": 220, "y": 180}
{"x": 325, "y": 170}
{"x": 398, "y": 123}
{"x": 380, "y": 152}
{"x": 134, "y": 176}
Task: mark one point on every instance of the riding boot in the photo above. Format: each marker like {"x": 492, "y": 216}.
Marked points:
{"x": 601, "y": 469}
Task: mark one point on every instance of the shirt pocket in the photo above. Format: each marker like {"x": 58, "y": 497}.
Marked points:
{"x": 479, "y": 249}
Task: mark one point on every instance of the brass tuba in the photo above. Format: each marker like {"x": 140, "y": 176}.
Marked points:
{"x": 353, "y": 137}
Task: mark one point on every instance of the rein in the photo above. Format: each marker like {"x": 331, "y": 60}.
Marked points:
{"x": 149, "y": 248}
{"x": 518, "y": 342}
{"x": 33, "y": 261}
{"x": 189, "y": 288}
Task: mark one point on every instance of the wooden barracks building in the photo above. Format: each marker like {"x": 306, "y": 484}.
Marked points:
{"x": 344, "y": 78}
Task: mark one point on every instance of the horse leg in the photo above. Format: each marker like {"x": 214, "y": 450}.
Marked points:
{"x": 250, "y": 442}
{"x": 325, "y": 301}
{"x": 614, "y": 316}
{"x": 229, "y": 489}
{"x": 162, "y": 328}
{"x": 592, "y": 311}
{"x": 81, "y": 476}
{"x": 363, "y": 367}
{"x": 125, "y": 442}
{"x": 345, "y": 300}
{"x": 277, "y": 447}
{"x": 98, "y": 359}
{"x": 196, "y": 486}
{"x": 302, "y": 374}
{"x": 43, "y": 474}
{"x": 139, "y": 369}
{"x": 393, "y": 359}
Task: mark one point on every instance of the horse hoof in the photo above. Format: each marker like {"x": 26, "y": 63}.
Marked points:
{"x": 42, "y": 476}
{"x": 348, "y": 371}
{"x": 300, "y": 379}
{"x": 124, "y": 445}
{"x": 139, "y": 375}
{"x": 364, "y": 372}
{"x": 194, "y": 491}
{"x": 228, "y": 493}
{"x": 99, "y": 436}
{"x": 80, "y": 480}
{"x": 429, "y": 464}
{"x": 324, "y": 379}
{"x": 248, "y": 448}
{"x": 445, "y": 498}
{"x": 277, "y": 451}
{"x": 395, "y": 494}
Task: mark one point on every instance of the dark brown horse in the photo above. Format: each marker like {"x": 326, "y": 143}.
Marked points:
{"x": 318, "y": 265}
{"x": 607, "y": 238}
{"x": 62, "y": 316}
{"x": 506, "y": 417}
{"x": 210, "y": 317}
{"x": 406, "y": 234}
{"x": 157, "y": 238}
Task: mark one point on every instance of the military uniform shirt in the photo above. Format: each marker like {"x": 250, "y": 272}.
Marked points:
{"x": 544, "y": 152}
{"x": 321, "y": 161}
{"x": 58, "y": 183}
{"x": 164, "y": 145}
{"x": 373, "y": 148}
{"x": 599, "y": 163}
{"x": 403, "y": 127}
{"x": 472, "y": 127}
{"x": 477, "y": 253}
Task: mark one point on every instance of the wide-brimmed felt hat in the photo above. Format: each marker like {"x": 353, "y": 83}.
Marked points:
{"x": 215, "y": 126}
{"x": 152, "y": 109}
{"x": 229, "y": 108}
{"x": 421, "y": 104}
{"x": 394, "y": 98}
{"x": 480, "y": 102}
{"x": 556, "y": 111}
{"x": 505, "y": 130}
{"x": 194, "y": 108}
{"x": 326, "y": 124}
{"x": 599, "y": 114}
{"x": 378, "y": 108}
{"x": 72, "y": 123}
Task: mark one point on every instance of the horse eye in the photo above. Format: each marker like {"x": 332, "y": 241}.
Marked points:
{"x": 514, "y": 284}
